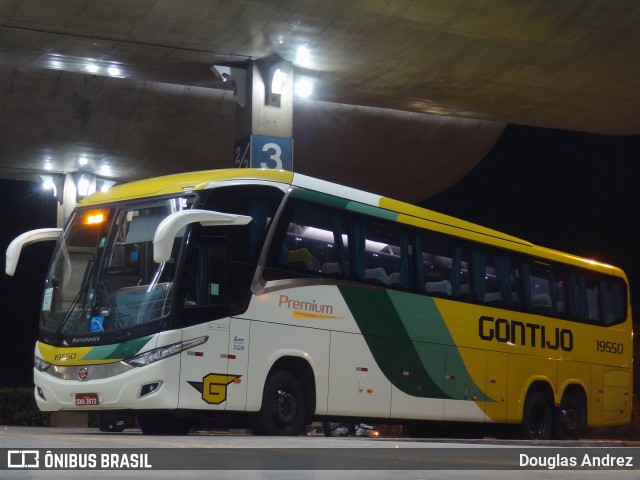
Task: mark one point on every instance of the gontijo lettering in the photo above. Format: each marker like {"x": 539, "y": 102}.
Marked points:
{"x": 525, "y": 334}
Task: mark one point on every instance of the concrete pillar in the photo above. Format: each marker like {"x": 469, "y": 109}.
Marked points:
{"x": 68, "y": 199}
{"x": 264, "y": 117}
{"x": 69, "y": 196}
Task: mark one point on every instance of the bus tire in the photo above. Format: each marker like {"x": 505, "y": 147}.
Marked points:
{"x": 162, "y": 423}
{"x": 282, "y": 411}
{"x": 570, "y": 418}
{"x": 536, "y": 417}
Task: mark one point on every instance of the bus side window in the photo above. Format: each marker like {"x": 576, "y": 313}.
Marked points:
{"x": 612, "y": 296}
{"x": 443, "y": 268}
{"x": 538, "y": 287}
{"x": 593, "y": 307}
{"x": 496, "y": 279}
{"x": 577, "y": 297}
{"x": 382, "y": 254}
{"x": 313, "y": 239}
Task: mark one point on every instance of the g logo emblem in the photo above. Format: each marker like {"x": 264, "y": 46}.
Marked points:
{"x": 214, "y": 387}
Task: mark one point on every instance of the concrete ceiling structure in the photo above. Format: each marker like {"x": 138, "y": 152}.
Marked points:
{"x": 409, "y": 94}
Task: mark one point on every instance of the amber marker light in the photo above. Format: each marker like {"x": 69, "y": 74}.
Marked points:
{"x": 94, "y": 218}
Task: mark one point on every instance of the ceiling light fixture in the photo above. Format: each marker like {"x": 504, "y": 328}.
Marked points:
{"x": 277, "y": 82}
{"x": 303, "y": 56}
{"x": 114, "y": 71}
{"x": 92, "y": 68}
{"x": 303, "y": 87}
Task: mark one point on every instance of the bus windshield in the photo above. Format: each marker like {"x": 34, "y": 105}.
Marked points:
{"x": 103, "y": 285}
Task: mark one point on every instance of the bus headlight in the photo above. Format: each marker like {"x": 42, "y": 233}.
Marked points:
{"x": 40, "y": 364}
{"x": 167, "y": 351}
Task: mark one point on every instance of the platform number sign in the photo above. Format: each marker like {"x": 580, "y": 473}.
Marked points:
{"x": 261, "y": 151}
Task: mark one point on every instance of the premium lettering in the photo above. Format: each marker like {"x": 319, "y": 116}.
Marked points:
{"x": 285, "y": 301}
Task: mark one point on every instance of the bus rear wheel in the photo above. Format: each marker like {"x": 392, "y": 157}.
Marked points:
{"x": 570, "y": 417}
{"x": 536, "y": 417}
{"x": 282, "y": 411}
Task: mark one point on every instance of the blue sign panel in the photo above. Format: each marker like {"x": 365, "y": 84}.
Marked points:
{"x": 262, "y": 151}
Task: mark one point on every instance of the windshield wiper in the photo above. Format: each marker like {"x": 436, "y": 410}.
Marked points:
{"x": 105, "y": 305}
{"x": 82, "y": 292}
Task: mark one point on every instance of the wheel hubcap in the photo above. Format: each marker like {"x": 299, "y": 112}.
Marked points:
{"x": 286, "y": 407}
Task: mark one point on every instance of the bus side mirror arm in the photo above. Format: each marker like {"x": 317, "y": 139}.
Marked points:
{"x": 27, "y": 238}
{"x": 170, "y": 226}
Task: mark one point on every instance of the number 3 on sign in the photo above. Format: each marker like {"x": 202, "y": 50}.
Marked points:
{"x": 276, "y": 156}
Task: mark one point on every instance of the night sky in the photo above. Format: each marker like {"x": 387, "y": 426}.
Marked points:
{"x": 570, "y": 191}
{"x": 25, "y": 206}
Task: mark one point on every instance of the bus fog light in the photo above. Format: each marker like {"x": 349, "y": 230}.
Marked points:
{"x": 149, "y": 388}
{"x": 41, "y": 393}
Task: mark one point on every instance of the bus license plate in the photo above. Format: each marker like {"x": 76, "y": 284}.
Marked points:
{"x": 86, "y": 399}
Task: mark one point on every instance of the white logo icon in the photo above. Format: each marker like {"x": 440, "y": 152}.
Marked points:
{"x": 23, "y": 459}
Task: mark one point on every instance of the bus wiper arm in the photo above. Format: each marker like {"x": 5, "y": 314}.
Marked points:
{"x": 81, "y": 292}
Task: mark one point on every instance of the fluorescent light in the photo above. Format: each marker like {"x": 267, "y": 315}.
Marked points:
{"x": 277, "y": 83}
{"x": 92, "y": 68}
{"x": 83, "y": 160}
{"x": 105, "y": 169}
{"x": 303, "y": 87}
{"x": 83, "y": 187}
{"x": 49, "y": 184}
{"x": 114, "y": 71}
{"x": 303, "y": 56}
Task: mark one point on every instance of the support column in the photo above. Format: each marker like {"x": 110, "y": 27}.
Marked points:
{"x": 264, "y": 116}
{"x": 68, "y": 198}
{"x": 70, "y": 189}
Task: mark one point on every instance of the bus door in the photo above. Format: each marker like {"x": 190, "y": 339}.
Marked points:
{"x": 204, "y": 378}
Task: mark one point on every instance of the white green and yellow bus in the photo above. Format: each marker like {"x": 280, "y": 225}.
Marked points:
{"x": 278, "y": 298}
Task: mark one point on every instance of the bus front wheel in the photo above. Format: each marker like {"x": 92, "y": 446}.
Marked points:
{"x": 282, "y": 411}
{"x": 536, "y": 417}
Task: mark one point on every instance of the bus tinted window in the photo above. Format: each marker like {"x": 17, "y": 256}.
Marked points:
{"x": 443, "y": 266}
{"x": 496, "y": 278}
{"x": 382, "y": 252}
{"x": 258, "y": 202}
{"x": 314, "y": 240}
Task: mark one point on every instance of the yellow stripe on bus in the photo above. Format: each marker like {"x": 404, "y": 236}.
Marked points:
{"x": 69, "y": 355}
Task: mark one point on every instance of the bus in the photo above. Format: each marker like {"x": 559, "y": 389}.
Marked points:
{"x": 274, "y": 299}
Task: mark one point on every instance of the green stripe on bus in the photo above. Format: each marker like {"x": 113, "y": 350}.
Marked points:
{"x": 424, "y": 323}
{"x": 117, "y": 351}
{"x": 322, "y": 198}
{"x": 372, "y": 211}
{"x": 390, "y": 344}
{"x": 343, "y": 204}
{"x": 420, "y": 353}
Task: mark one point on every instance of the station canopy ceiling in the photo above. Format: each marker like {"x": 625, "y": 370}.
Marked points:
{"x": 408, "y": 95}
